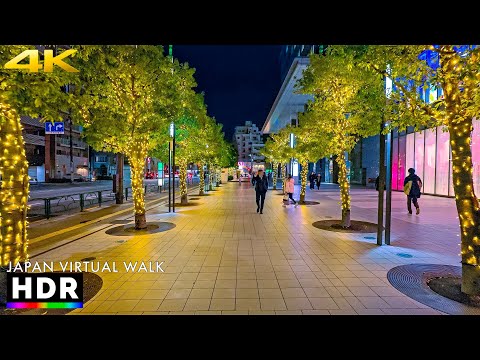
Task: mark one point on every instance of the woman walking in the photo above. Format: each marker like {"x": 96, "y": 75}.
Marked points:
{"x": 411, "y": 188}
{"x": 290, "y": 188}
{"x": 260, "y": 182}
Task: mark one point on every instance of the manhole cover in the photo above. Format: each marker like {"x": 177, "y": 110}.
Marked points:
{"x": 412, "y": 280}
{"x": 404, "y": 255}
{"x": 369, "y": 237}
{"x": 88, "y": 259}
{"x": 153, "y": 227}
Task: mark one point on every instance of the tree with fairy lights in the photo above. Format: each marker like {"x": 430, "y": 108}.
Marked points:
{"x": 339, "y": 89}
{"x": 270, "y": 155}
{"x": 309, "y": 146}
{"x": 455, "y": 70}
{"x": 203, "y": 150}
{"x": 32, "y": 92}
{"x": 124, "y": 97}
{"x": 277, "y": 150}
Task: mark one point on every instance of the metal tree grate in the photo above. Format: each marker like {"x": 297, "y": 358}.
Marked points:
{"x": 412, "y": 279}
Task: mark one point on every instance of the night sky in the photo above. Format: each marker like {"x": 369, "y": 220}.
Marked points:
{"x": 240, "y": 81}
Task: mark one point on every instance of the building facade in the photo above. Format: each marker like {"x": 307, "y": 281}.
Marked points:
{"x": 427, "y": 150}
{"x": 249, "y": 141}
{"x": 287, "y": 104}
{"x": 49, "y": 155}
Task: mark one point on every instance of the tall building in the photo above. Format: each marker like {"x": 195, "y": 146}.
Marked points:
{"x": 293, "y": 61}
{"x": 427, "y": 150}
{"x": 49, "y": 155}
{"x": 249, "y": 141}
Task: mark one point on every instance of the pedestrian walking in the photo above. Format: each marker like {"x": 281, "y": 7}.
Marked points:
{"x": 411, "y": 187}
{"x": 260, "y": 182}
{"x": 239, "y": 177}
{"x": 318, "y": 180}
{"x": 289, "y": 189}
{"x": 312, "y": 180}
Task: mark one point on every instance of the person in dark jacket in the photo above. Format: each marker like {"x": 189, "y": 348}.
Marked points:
{"x": 318, "y": 180}
{"x": 312, "y": 180}
{"x": 414, "y": 193}
{"x": 260, "y": 182}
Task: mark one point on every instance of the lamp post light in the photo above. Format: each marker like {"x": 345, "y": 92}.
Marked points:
{"x": 171, "y": 164}
{"x": 292, "y": 145}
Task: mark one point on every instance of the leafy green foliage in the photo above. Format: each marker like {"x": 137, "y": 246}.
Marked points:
{"x": 36, "y": 94}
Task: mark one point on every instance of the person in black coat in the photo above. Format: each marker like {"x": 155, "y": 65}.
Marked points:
{"x": 260, "y": 182}
{"x": 414, "y": 193}
{"x": 312, "y": 180}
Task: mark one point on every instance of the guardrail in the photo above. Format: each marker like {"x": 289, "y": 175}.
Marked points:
{"x": 64, "y": 203}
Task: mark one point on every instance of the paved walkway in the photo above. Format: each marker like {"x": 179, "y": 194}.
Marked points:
{"x": 224, "y": 258}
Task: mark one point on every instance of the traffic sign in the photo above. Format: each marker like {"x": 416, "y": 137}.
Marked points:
{"x": 54, "y": 128}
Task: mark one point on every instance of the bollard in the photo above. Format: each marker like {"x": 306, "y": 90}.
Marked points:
{"x": 82, "y": 202}
{"x": 99, "y": 198}
{"x": 47, "y": 208}
{"x": 126, "y": 193}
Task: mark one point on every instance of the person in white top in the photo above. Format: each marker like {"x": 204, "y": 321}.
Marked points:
{"x": 290, "y": 188}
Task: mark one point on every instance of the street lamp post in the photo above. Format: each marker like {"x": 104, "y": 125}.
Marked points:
{"x": 292, "y": 145}
{"x": 171, "y": 164}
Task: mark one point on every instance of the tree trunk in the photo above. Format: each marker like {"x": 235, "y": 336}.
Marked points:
{"x": 182, "y": 164}
{"x": 137, "y": 161}
{"x": 210, "y": 178}
{"x": 303, "y": 186}
{"x": 284, "y": 177}
{"x": 14, "y": 189}
{"x": 274, "y": 175}
{"x": 119, "y": 180}
{"x": 218, "y": 177}
{"x": 467, "y": 205}
{"x": 344, "y": 189}
{"x": 202, "y": 181}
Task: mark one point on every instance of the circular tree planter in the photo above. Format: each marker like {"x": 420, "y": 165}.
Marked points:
{"x": 450, "y": 287}
{"x": 434, "y": 285}
{"x": 184, "y": 205}
{"x": 355, "y": 226}
{"x": 308, "y": 203}
{"x": 152, "y": 228}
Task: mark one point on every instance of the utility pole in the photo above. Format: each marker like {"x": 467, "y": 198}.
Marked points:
{"x": 71, "y": 150}
{"x": 381, "y": 185}
{"x": 388, "y": 217}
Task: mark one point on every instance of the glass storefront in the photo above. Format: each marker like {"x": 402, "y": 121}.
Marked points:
{"x": 429, "y": 153}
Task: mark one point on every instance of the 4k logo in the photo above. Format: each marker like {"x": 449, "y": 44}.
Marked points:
{"x": 49, "y": 61}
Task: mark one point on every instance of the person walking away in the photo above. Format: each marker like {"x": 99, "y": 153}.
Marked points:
{"x": 312, "y": 180}
{"x": 318, "y": 180}
{"x": 411, "y": 187}
{"x": 239, "y": 178}
{"x": 290, "y": 188}
{"x": 260, "y": 182}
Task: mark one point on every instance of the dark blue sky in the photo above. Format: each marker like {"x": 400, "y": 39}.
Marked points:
{"x": 240, "y": 81}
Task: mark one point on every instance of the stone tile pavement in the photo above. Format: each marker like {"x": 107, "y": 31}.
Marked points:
{"x": 224, "y": 258}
